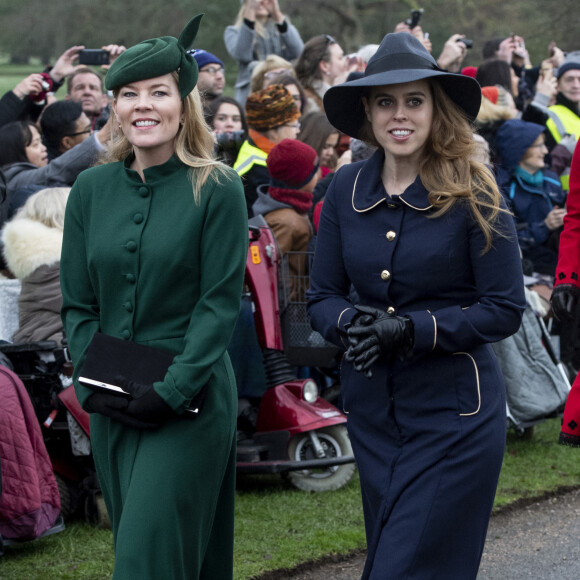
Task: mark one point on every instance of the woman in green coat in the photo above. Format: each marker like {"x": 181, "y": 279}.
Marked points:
{"x": 154, "y": 252}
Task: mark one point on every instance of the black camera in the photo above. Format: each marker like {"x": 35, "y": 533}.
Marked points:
{"x": 467, "y": 41}
{"x": 415, "y": 17}
{"x": 93, "y": 56}
{"x": 230, "y": 141}
{"x": 228, "y": 145}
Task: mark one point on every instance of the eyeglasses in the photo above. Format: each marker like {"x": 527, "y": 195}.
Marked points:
{"x": 329, "y": 39}
{"x": 213, "y": 70}
{"x": 293, "y": 125}
{"x": 542, "y": 144}
{"x": 89, "y": 130}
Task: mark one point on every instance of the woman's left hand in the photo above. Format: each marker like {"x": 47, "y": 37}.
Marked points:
{"x": 273, "y": 7}
{"x": 146, "y": 404}
{"x": 382, "y": 333}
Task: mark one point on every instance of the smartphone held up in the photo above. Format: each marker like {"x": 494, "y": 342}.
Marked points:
{"x": 93, "y": 56}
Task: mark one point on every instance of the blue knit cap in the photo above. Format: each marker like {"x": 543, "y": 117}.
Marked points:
{"x": 571, "y": 62}
{"x": 203, "y": 57}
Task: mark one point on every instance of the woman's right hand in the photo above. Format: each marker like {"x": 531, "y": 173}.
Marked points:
{"x": 115, "y": 407}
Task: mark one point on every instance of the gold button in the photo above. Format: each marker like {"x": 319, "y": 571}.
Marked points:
{"x": 390, "y": 310}
{"x": 385, "y": 274}
{"x": 391, "y": 236}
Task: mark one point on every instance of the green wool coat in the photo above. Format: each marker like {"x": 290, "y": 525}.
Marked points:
{"x": 143, "y": 262}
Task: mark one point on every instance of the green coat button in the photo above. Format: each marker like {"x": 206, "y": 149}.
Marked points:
{"x": 138, "y": 218}
{"x": 131, "y": 246}
{"x": 130, "y": 278}
{"x": 143, "y": 191}
{"x": 126, "y": 334}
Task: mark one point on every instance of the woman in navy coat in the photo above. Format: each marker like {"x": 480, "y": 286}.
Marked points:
{"x": 420, "y": 232}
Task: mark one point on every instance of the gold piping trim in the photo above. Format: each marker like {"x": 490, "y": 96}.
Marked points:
{"x": 434, "y": 330}
{"x": 413, "y": 207}
{"x": 352, "y": 201}
{"x": 478, "y": 387}
{"x": 338, "y": 324}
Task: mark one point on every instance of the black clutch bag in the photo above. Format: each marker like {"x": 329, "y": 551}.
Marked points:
{"x": 109, "y": 358}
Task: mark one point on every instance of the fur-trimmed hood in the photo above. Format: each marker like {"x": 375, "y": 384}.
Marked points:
{"x": 30, "y": 244}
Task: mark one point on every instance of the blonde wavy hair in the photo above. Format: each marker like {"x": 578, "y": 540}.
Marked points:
{"x": 46, "y": 206}
{"x": 194, "y": 144}
{"x": 449, "y": 169}
{"x": 492, "y": 112}
{"x": 271, "y": 62}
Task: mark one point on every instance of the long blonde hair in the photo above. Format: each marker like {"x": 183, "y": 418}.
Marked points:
{"x": 194, "y": 144}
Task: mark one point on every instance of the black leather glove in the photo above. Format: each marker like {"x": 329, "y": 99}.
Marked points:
{"x": 386, "y": 334}
{"x": 564, "y": 300}
{"x": 146, "y": 404}
{"x": 115, "y": 407}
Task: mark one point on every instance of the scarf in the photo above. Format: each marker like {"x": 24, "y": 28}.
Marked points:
{"x": 301, "y": 201}
{"x": 535, "y": 179}
{"x": 261, "y": 142}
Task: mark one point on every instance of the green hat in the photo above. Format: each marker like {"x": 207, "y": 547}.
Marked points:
{"x": 157, "y": 57}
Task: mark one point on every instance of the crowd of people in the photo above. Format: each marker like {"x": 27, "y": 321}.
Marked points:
{"x": 485, "y": 150}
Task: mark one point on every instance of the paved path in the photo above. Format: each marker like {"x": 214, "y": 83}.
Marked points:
{"x": 540, "y": 541}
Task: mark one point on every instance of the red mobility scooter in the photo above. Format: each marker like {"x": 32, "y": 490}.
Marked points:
{"x": 297, "y": 432}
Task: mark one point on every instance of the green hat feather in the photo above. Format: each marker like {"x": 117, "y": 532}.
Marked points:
{"x": 157, "y": 57}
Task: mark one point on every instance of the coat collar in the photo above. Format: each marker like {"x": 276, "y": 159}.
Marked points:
{"x": 368, "y": 190}
{"x": 155, "y": 173}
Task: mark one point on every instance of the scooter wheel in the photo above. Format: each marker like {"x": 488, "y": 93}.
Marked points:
{"x": 336, "y": 443}
{"x": 67, "y": 503}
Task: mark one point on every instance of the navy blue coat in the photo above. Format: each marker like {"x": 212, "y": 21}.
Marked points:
{"x": 429, "y": 433}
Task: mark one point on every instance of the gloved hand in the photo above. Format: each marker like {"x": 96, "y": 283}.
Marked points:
{"x": 384, "y": 334}
{"x": 146, "y": 404}
{"x": 564, "y": 300}
{"x": 114, "y": 407}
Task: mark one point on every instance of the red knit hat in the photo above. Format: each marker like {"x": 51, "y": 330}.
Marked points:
{"x": 292, "y": 164}
{"x": 469, "y": 71}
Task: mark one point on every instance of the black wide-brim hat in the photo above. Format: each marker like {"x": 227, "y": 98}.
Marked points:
{"x": 400, "y": 58}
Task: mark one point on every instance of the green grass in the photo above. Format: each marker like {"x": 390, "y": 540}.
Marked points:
{"x": 278, "y": 526}
{"x": 540, "y": 465}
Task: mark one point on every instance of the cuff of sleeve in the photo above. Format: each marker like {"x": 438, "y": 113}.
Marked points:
{"x": 343, "y": 323}
{"x": 541, "y": 100}
{"x": 167, "y": 390}
{"x": 425, "y": 327}
{"x": 98, "y": 144}
{"x": 282, "y": 28}
{"x": 249, "y": 23}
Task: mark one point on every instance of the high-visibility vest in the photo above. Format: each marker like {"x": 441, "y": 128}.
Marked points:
{"x": 248, "y": 156}
{"x": 563, "y": 121}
